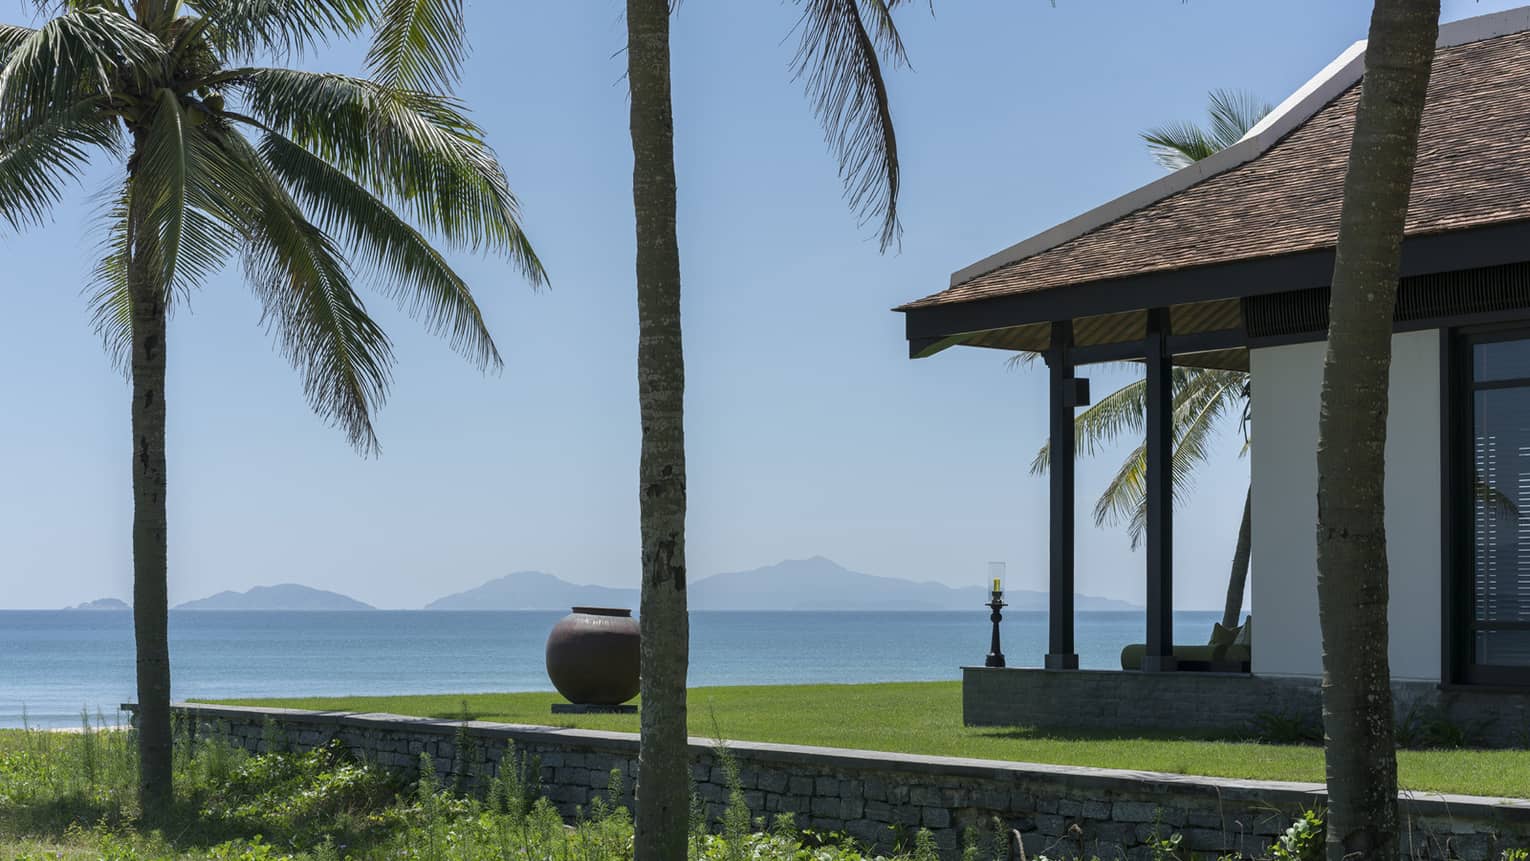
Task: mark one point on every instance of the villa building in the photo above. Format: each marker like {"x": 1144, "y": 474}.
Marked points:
{"x": 1226, "y": 264}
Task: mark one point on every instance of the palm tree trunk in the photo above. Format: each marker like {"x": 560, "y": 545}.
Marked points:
{"x": 150, "y": 567}
{"x": 1237, "y": 581}
{"x": 663, "y": 788}
{"x": 1352, "y": 426}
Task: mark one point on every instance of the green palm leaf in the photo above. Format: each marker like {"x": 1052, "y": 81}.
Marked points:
{"x": 111, "y": 308}
{"x": 408, "y": 268}
{"x": 38, "y": 161}
{"x": 71, "y": 57}
{"x": 418, "y": 45}
{"x": 299, "y": 275}
{"x": 160, "y": 183}
{"x": 414, "y": 149}
{"x": 243, "y": 29}
{"x": 1231, "y": 114}
{"x": 1201, "y": 399}
{"x": 364, "y": 157}
{"x": 838, "y": 59}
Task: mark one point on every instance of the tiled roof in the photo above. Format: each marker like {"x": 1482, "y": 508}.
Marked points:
{"x": 1473, "y": 171}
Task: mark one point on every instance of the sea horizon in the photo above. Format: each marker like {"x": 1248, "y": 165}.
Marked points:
{"x": 54, "y": 664}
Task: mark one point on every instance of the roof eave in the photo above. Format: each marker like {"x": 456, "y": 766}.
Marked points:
{"x": 1339, "y": 75}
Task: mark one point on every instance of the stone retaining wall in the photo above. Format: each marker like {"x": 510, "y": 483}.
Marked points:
{"x": 1218, "y": 702}
{"x": 1062, "y": 811}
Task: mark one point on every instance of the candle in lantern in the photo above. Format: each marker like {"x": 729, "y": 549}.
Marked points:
{"x": 996, "y": 572}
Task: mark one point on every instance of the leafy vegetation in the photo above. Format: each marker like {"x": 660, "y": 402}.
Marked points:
{"x": 71, "y": 796}
{"x": 926, "y": 717}
{"x": 1303, "y": 841}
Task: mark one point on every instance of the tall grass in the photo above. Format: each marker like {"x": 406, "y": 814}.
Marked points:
{"x": 69, "y": 796}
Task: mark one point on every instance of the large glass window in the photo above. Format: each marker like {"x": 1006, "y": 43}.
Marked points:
{"x": 1496, "y": 478}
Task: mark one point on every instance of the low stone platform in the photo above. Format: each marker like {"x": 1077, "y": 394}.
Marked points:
{"x": 586, "y": 709}
{"x": 1061, "y": 811}
{"x": 1237, "y": 703}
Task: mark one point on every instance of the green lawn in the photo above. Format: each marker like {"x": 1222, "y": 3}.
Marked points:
{"x": 925, "y": 717}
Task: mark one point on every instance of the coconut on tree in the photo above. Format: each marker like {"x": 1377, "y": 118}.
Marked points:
{"x": 316, "y": 183}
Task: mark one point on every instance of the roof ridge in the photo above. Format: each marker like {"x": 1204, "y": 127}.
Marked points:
{"x": 1343, "y": 72}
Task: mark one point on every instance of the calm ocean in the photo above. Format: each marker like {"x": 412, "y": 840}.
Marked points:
{"x": 53, "y": 664}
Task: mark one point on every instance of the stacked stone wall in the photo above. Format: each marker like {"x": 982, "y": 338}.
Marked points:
{"x": 882, "y": 798}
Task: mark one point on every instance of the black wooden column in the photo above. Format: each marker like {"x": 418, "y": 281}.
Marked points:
{"x": 1061, "y": 654}
{"x": 1160, "y": 495}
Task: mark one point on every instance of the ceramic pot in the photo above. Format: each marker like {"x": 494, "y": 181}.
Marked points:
{"x": 593, "y": 656}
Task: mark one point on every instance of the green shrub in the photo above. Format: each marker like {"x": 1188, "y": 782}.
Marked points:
{"x": 324, "y": 805}
{"x": 1303, "y": 841}
{"x": 1429, "y": 727}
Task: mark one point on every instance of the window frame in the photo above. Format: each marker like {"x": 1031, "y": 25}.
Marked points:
{"x": 1460, "y": 625}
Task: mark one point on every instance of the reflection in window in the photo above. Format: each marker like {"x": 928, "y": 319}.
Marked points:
{"x": 1501, "y": 506}
{"x": 1500, "y": 360}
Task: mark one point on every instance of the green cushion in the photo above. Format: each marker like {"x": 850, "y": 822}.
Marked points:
{"x": 1132, "y": 655}
{"x": 1246, "y": 633}
{"x": 1223, "y": 636}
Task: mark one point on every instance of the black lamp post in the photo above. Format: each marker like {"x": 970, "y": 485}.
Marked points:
{"x": 995, "y": 654}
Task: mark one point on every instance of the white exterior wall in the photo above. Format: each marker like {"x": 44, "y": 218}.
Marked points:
{"x": 1286, "y": 385}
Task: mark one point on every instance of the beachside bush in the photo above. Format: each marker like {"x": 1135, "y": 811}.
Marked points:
{"x": 70, "y": 797}
{"x": 1303, "y": 841}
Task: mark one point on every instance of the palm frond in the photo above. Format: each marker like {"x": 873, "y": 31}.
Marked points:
{"x": 111, "y": 310}
{"x": 244, "y": 29}
{"x": 1024, "y": 359}
{"x": 38, "y": 162}
{"x": 884, "y": 30}
{"x": 1178, "y": 145}
{"x": 190, "y": 225}
{"x": 11, "y": 35}
{"x": 1120, "y": 412}
{"x": 1232, "y": 113}
{"x": 1201, "y": 398}
{"x": 160, "y": 183}
{"x": 838, "y": 59}
{"x": 412, "y": 272}
{"x": 71, "y": 57}
{"x": 321, "y": 325}
{"x": 1123, "y": 497}
{"x": 416, "y": 150}
{"x": 418, "y": 45}
{"x": 1124, "y": 411}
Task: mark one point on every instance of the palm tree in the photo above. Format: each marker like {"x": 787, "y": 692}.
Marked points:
{"x": 842, "y": 46}
{"x": 1352, "y": 575}
{"x": 1229, "y": 114}
{"x": 1202, "y": 398}
{"x": 310, "y": 180}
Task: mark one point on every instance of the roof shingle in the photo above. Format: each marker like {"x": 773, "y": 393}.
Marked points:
{"x": 1473, "y": 171}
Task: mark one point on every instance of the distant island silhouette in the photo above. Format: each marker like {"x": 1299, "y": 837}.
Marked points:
{"x": 284, "y": 596}
{"x": 102, "y": 604}
{"x": 815, "y": 583}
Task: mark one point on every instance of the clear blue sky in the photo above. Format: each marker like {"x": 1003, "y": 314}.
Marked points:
{"x": 810, "y": 431}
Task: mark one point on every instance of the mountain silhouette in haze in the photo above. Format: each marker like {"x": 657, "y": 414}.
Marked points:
{"x": 285, "y": 596}
{"x": 534, "y": 590}
{"x": 102, "y": 604}
{"x": 795, "y": 584}
{"x": 823, "y": 584}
